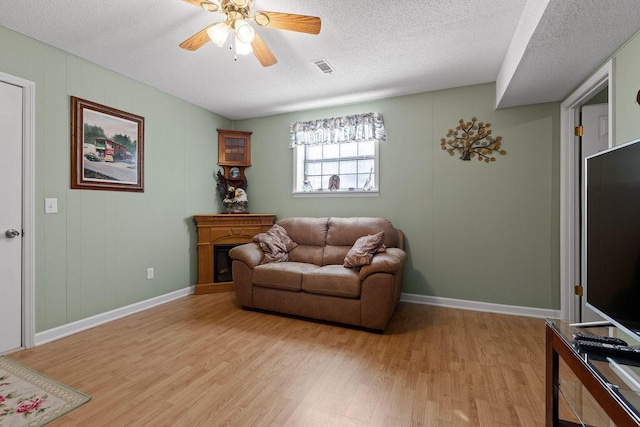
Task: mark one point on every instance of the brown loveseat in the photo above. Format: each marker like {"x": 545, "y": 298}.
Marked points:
{"x": 313, "y": 281}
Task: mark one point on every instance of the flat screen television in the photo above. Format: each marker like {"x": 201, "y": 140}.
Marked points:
{"x": 613, "y": 235}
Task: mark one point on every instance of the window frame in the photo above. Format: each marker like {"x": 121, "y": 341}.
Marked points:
{"x": 298, "y": 176}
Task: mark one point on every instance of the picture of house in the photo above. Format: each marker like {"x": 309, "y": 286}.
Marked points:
{"x": 104, "y": 148}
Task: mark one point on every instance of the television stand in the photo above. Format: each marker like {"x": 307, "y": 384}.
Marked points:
{"x": 615, "y": 397}
{"x": 591, "y": 324}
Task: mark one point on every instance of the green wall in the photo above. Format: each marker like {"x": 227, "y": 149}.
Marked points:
{"x": 92, "y": 256}
{"x": 627, "y": 84}
{"x": 475, "y": 231}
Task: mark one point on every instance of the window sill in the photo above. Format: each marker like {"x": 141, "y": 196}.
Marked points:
{"x": 354, "y": 193}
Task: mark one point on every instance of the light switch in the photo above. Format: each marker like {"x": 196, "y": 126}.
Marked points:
{"x": 50, "y": 206}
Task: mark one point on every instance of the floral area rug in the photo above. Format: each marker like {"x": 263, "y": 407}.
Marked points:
{"x": 28, "y": 398}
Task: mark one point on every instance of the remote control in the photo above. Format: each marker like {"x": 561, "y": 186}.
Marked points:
{"x": 622, "y": 351}
{"x": 581, "y": 336}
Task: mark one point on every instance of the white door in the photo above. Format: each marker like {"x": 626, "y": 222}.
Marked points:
{"x": 10, "y": 217}
{"x": 595, "y": 120}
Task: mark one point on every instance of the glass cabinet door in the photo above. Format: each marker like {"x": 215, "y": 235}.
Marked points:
{"x": 234, "y": 148}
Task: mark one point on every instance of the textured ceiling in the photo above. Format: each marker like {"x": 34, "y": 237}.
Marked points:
{"x": 378, "y": 48}
{"x": 570, "y": 41}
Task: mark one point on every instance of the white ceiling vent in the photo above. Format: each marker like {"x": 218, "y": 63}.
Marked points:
{"x": 323, "y": 65}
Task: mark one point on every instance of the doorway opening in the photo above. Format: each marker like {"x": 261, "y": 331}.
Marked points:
{"x": 570, "y": 184}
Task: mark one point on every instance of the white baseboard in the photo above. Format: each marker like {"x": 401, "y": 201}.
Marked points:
{"x": 99, "y": 319}
{"x": 482, "y": 306}
{"x": 93, "y": 321}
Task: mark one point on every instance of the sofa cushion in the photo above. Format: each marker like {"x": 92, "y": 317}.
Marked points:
{"x": 363, "y": 249}
{"x": 306, "y": 231}
{"x": 281, "y": 275}
{"x": 275, "y": 244}
{"x": 332, "y": 280}
{"x": 308, "y": 254}
{"x": 345, "y": 231}
{"x": 334, "y": 254}
{"x": 310, "y": 235}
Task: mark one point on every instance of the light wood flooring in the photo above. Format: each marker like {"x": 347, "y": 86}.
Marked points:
{"x": 203, "y": 361}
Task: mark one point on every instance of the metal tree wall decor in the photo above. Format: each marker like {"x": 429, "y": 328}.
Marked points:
{"x": 471, "y": 140}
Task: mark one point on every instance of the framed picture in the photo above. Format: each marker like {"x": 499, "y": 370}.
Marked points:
{"x": 107, "y": 148}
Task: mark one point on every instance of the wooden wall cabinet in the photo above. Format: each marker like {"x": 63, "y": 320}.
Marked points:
{"x": 234, "y": 147}
{"x": 234, "y": 153}
{"x": 223, "y": 229}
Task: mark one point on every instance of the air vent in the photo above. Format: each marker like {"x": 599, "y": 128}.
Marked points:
{"x": 323, "y": 66}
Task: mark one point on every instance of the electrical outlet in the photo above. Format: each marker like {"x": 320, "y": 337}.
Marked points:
{"x": 150, "y": 273}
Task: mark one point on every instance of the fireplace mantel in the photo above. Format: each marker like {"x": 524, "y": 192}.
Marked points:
{"x": 224, "y": 229}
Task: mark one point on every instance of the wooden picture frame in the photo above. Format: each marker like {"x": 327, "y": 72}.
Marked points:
{"x": 107, "y": 148}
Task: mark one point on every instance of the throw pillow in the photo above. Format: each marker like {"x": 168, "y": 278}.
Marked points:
{"x": 275, "y": 244}
{"x": 363, "y": 250}
{"x": 281, "y": 234}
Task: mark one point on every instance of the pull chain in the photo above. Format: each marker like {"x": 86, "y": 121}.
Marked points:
{"x": 235, "y": 55}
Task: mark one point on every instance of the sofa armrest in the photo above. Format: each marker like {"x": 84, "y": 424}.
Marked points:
{"x": 250, "y": 253}
{"x": 390, "y": 262}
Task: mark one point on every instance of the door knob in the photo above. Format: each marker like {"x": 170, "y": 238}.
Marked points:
{"x": 12, "y": 233}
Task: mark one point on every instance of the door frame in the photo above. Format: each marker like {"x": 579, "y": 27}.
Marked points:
{"x": 28, "y": 205}
{"x": 569, "y": 181}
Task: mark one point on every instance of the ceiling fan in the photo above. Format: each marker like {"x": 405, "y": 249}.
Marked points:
{"x": 246, "y": 40}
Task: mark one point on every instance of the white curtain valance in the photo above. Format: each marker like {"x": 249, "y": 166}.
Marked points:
{"x": 359, "y": 127}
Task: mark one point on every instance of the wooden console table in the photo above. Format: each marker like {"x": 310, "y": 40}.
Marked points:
{"x": 616, "y": 397}
{"x": 224, "y": 229}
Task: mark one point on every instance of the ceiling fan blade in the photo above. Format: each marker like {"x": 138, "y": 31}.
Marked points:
{"x": 206, "y": 5}
{"x": 262, "y": 52}
{"x": 194, "y": 2}
{"x": 288, "y": 21}
{"x": 197, "y": 40}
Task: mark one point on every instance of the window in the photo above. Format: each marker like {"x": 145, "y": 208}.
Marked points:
{"x": 355, "y": 164}
{"x": 337, "y": 156}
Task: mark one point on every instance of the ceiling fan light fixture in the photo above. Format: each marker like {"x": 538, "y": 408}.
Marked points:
{"x": 261, "y": 19}
{"x": 244, "y": 32}
{"x": 209, "y": 6}
{"x": 240, "y": 34}
{"x": 243, "y": 48}
{"x": 219, "y": 33}
{"x": 242, "y": 3}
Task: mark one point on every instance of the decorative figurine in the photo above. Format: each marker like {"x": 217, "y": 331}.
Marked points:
{"x": 235, "y": 197}
{"x": 334, "y": 183}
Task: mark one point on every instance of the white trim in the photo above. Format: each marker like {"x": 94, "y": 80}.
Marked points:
{"x": 488, "y": 307}
{"x": 298, "y": 177}
{"x": 99, "y": 319}
{"x": 28, "y": 204}
{"x": 102, "y": 318}
{"x": 569, "y": 209}
{"x": 355, "y": 193}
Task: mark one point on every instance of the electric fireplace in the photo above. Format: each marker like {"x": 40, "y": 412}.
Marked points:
{"x": 217, "y": 235}
{"x": 222, "y": 262}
